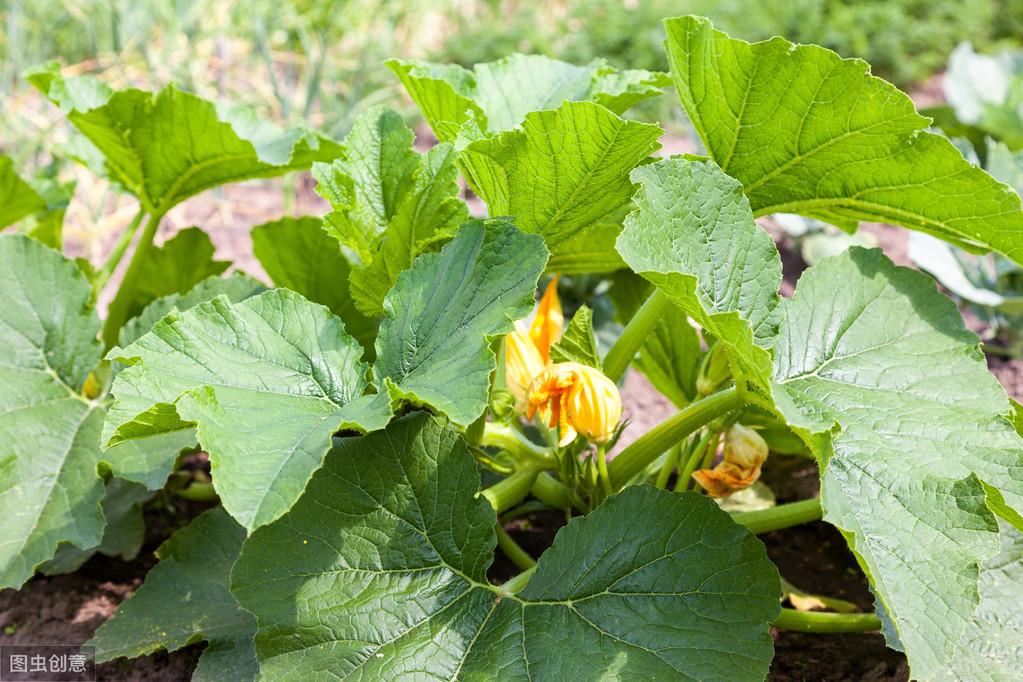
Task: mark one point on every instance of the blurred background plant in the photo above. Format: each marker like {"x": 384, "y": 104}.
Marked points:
{"x": 984, "y": 118}
{"x": 319, "y": 63}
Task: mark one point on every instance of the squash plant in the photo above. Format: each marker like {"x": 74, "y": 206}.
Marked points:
{"x": 352, "y": 411}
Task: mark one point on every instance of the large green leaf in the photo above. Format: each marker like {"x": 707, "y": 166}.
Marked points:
{"x": 694, "y": 237}
{"x": 807, "y": 132}
{"x": 590, "y": 251}
{"x": 50, "y": 492}
{"x": 379, "y": 572}
{"x": 433, "y": 344}
{"x": 367, "y": 184}
{"x": 167, "y": 146}
{"x": 390, "y": 203}
{"x": 992, "y": 648}
{"x": 299, "y": 255}
{"x": 566, "y": 172}
{"x": 500, "y": 94}
{"x": 186, "y": 599}
{"x": 175, "y": 267}
{"x": 874, "y": 368}
{"x": 149, "y": 460}
{"x": 47, "y": 225}
{"x": 265, "y": 382}
{"x": 670, "y": 354}
{"x": 236, "y": 286}
{"x": 17, "y": 198}
{"x": 124, "y": 532}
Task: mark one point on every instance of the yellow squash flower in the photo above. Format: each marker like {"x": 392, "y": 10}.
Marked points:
{"x": 522, "y": 363}
{"x": 527, "y": 349}
{"x": 576, "y": 399}
{"x": 745, "y": 453}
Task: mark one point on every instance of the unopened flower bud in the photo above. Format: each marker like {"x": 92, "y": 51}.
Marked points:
{"x": 714, "y": 370}
{"x": 92, "y": 387}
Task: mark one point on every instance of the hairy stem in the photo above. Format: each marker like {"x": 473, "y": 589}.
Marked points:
{"x": 517, "y": 583}
{"x": 513, "y": 551}
{"x": 782, "y": 516}
{"x": 112, "y": 261}
{"x": 117, "y": 314}
{"x": 672, "y": 460}
{"x": 507, "y": 438}
{"x": 605, "y": 477}
{"x": 550, "y": 490}
{"x": 820, "y": 621}
{"x": 657, "y": 440}
{"x": 634, "y": 334}
{"x": 694, "y": 460}
{"x": 513, "y": 489}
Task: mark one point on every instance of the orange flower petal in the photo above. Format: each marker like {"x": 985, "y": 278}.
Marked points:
{"x": 548, "y": 321}
{"x": 725, "y": 479}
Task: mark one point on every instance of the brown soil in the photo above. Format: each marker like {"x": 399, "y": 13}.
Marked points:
{"x": 68, "y": 609}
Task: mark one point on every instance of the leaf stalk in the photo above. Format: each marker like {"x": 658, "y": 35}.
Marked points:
{"x": 513, "y": 489}
{"x": 635, "y": 333}
{"x": 513, "y": 550}
{"x": 648, "y": 447}
{"x": 505, "y": 437}
{"x": 824, "y": 622}
{"x": 117, "y": 314}
{"x": 781, "y": 516}
{"x": 114, "y": 259}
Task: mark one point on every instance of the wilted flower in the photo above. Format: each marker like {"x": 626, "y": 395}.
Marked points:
{"x": 745, "y": 453}
{"x": 527, "y": 349}
{"x": 576, "y": 398}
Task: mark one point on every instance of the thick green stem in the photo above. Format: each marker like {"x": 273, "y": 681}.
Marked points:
{"x": 694, "y": 460}
{"x": 710, "y": 452}
{"x": 117, "y": 253}
{"x": 657, "y": 440}
{"x": 506, "y": 438}
{"x": 513, "y": 551}
{"x": 671, "y": 460}
{"x": 550, "y": 490}
{"x": 605, "y": 477}
{"x": 518, "y": 582}
{"x": 634, "y": 334}
{"x": 782, "y": 516}
{"x": 513, "y": 489}
{"x": 820, "y": 621}
{"x": 117, "y": 314}
{"x": 794, "y": 594}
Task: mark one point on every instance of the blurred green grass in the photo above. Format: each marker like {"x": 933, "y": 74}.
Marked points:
{"x": 319, "y": 62}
